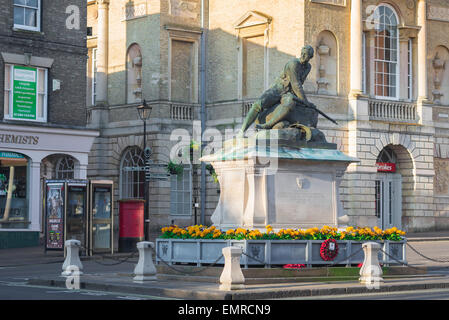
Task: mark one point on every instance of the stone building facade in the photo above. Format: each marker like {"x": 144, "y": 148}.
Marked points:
{"x": 380, "y": 69}
{"x": 42, "y": 79}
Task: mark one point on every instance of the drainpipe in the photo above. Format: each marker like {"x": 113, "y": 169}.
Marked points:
{"x": 203, "y": 111}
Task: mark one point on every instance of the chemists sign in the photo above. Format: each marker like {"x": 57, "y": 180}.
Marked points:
{"x": 24, "y": 92}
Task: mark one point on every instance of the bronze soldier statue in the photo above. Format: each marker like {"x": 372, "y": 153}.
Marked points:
{"x": 284, "y": 104}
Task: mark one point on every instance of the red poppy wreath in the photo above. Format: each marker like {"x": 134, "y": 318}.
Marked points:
{"x": 329, "y": 250}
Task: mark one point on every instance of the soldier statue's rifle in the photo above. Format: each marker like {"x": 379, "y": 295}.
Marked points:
{"x": 312, "y": 106}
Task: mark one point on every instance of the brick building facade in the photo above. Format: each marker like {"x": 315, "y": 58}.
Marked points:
{"x": 42, "y": 78}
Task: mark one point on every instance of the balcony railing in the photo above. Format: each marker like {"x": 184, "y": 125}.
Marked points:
{"x": 392, "y": 111}
{"x": 182, "y": 111}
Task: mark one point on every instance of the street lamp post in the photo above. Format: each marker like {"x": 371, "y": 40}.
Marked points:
{"x": 144, "y": 114}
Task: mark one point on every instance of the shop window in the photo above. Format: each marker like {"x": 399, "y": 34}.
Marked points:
{"x": 386, "y": 74}
{"x": 132, "y": 174}
{"x": 25, "y": 93}
{"x": 13, "y": 191}
{"x": 65, "y": 168}
{"x": 181, "y": 192}
{"x": 27, "y": 14}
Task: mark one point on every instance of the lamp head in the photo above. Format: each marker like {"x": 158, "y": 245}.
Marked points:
{"x": 144, "y": 111}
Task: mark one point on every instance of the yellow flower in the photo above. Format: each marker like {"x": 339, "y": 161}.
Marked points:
{"x": 230, "y": 231}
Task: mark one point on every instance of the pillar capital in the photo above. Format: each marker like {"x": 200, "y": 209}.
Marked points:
{"x": 407, "y": 32}
{"x": 103, "y": 2}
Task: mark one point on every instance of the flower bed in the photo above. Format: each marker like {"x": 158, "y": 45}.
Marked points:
{"x": 203, "y": 245}
{"x": 350, "y": 233}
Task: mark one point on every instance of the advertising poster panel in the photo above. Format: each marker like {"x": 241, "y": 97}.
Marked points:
{"x": 55, "y": 205}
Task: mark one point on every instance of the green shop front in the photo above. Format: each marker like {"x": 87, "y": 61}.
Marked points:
{"x": 28, "y": 156}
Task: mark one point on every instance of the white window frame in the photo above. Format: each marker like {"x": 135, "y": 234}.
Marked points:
{"x": 9, "y": 109}
{"x": 397, "y": 61}
{"x": 65, "y": 168}
{"x": 364, "y": 63}
{"x": 129, "y": 186}
{"x": 174, "y": 192}
{"x": 94, "y": 76}
{"x": 410, "y": 69}
{"x": 38, "y": 17}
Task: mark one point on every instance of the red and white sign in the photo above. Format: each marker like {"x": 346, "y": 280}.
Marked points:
{"x": 386, "y": 167}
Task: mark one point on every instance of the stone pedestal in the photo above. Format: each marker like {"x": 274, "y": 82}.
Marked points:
{"x": 72, "y": 264}
{"x": 371, "y": 272}
{"x": 145, "y": 269}
{"x": 285, "y": 187}
{"x": 232, "y": 277}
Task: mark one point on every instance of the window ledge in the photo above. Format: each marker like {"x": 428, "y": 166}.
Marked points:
{"x": 27, "y": 31}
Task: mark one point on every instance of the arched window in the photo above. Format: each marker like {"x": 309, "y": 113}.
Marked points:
{"x": 386, "y": 52}
{"x": 65, "y": 168}
{"x": 387, "y": 155}
{"x": 132, "y": 174}
{"x": 134, "y": 74}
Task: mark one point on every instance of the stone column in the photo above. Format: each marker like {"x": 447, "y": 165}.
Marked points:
{"x": 102, "y": 51}
{"x": 422, "y": 51}
{"x": 34, "y": 204}
{"x": 356, "y": 48}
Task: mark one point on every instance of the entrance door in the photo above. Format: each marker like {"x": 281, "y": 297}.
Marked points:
{"x": 77, "y": 227}
{"x": 388, "y": 200}
{"x": 101, "y": 232}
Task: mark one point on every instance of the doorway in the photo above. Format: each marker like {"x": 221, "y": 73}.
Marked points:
{"x": 388, "y": 200}
{"x": 388, "y": 190}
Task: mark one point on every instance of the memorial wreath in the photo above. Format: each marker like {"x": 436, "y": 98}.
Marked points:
{"x": 329, "y": 250}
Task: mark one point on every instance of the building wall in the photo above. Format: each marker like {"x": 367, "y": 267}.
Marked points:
{"x": 61, "y": 39}
{"x": 68, "y": 49}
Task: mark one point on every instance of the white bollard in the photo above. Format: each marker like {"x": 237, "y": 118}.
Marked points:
{"x": 371, "y": 272}
{"x": 232, "y": 277}
{"x": 145, "y": 269}
{"x": 72, "y": 264}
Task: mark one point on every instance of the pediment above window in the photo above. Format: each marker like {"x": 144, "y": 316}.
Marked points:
{"x": 252, "y": 18}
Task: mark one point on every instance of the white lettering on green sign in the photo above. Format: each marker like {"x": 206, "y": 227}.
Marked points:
{"x": 24, "y": 93}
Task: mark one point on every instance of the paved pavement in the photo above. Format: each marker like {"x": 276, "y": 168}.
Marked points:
{"x": 111, "y": 276}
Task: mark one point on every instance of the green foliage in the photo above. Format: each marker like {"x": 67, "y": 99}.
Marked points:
{"x": 175, "y": 169}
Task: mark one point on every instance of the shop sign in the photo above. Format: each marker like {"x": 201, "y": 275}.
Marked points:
{"x": 24, "y": 93}
{"x": 386, "y": 167}
{"x": 18, "y": 139}
{"x": 11, "y": 155}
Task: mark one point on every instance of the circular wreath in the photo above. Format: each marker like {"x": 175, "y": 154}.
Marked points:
{"x": 325, "y": 252}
